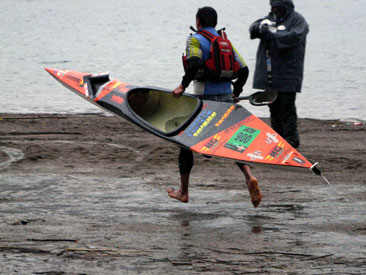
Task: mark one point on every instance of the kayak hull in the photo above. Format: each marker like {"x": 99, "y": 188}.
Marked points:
{"x": 212, "y": 128}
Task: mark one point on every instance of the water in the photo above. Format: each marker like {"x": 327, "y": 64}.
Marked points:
{"x": 141, "y": 42}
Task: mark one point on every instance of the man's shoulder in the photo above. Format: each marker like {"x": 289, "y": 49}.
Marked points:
{"x": 193, "y": 39}
{"x": 197, "y": 38}
{"x": 199, "y": 34}
{"x": 195, "y": 35}
{"x": 298, "y": 16}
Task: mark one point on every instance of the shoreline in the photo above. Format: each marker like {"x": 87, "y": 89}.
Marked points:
{"x": 111, "y": 130}
{"x": 104, "y": 113}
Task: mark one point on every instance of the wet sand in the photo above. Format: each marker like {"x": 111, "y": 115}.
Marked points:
{"x": 86, "y": 194}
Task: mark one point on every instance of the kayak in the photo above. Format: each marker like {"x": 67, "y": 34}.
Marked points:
{"x": 211, "y": 128}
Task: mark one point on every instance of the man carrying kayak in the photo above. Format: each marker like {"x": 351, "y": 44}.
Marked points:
{"x": 211, "y": 82}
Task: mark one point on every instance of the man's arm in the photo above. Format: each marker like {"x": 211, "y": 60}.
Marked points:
{"x": 194, "y": 63}
{"x": 255, "y": 32}
{"x": 292, "y": 37}
{"x": 243, "y": 73}
{"x": 238, "y": 85}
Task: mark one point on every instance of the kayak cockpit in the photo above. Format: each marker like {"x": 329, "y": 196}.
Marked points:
{"x": 160, "y": 110}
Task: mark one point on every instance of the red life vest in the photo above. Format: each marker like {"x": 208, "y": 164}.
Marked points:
{"x": 221, "y": 64}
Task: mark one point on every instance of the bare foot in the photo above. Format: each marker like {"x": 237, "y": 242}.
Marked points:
{"x": 255, "y": 192}
{"x": 178, "y": 195}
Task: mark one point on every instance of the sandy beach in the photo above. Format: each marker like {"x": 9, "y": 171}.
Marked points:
{"x": 86, "y": 194}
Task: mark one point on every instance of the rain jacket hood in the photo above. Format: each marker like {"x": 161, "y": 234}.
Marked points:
{"x": 287, "y": 4}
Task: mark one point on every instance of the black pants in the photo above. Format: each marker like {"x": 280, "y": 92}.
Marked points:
{"x": 284, "y": 117}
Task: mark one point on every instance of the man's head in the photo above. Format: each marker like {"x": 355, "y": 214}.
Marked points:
{"x": 280, "y": 7}
{"x": 206, "y": 17}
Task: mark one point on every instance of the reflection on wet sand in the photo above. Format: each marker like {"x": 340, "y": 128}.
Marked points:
{"x": 12, "y": 155}
{"x": 257, "y": 229}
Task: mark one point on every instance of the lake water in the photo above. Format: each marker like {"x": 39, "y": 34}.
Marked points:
{"x": 141, "y": 42}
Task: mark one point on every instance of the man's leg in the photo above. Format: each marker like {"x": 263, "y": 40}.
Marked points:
{"x": 284, "y": 117}
{"x": 185, "y": 167}
{"x": 289, "y": 120}
{"x": 252, "y": 184}
{"x": 275, "y": 112}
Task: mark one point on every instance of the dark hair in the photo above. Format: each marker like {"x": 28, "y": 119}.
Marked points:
{"x": 207, "y": 17}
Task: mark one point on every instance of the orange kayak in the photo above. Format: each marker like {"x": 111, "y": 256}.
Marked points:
{"x": 211, "y": 128}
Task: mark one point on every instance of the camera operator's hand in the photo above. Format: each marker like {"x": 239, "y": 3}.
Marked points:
{"x": 267, "y": 25}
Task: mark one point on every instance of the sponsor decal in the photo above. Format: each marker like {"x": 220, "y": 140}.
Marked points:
{"x": 271, "y": 138}
{"x": 73, "y": 78}
{"x": 227, "y": 113}
{"x": 299, "y": 160}
{"x": 242, "y": 138}
{"x": 61, "y": 74}
{"x": 255, "y": 155}
{"x": 112, "y": 85}
{"x": 200, "y": 123}
{"x": 287, "y": 157}
{"x": 276, "y": 151}
{"x": 123, "y": 88}
{"x": 212, "y": 143}
{"x": 108, "y": 88}
{"x": 238, "y": 125}
{"x": 117, "y": 99}
{"x": 204, "y": 124}
{"x": 115, "y": 85}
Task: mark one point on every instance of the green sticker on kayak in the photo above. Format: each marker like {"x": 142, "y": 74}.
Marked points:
{"x": 242, "y": 139}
